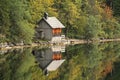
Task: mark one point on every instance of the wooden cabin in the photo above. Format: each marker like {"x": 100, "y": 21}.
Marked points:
{"x": 49, "y": 28}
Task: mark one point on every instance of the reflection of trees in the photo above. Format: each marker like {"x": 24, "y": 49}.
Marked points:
{"x": 116, "y": 72}
{"x": 83, "y": 62}
{"x": 89, "y": 61}
{"x": 19, "y": 65}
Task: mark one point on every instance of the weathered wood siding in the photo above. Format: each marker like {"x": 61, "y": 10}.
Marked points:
{"x": 47, "y": 30}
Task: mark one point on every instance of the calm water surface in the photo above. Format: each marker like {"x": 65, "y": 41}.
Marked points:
{"x": 98, "y": 61}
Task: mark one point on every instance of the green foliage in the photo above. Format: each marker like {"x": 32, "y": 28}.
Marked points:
{"x": 82, "y": 18}
{"x": 15, "y": 21}
{"x": 4, "y": 18}
{"x": 116, "y": 7}
{"x": 93, "y": 28}
{"x": 38, "y": 7}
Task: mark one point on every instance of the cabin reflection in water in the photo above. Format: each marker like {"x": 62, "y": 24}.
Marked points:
{"x": 49, "y": 59}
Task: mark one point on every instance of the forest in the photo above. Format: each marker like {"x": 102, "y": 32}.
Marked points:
{"x": 84, "y": 19}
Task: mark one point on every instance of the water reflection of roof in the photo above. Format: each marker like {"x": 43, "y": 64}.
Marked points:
{"x": 54, "y": 65}
{"x": 48, "y": 59}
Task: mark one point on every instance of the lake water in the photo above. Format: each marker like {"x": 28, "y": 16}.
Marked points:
{"x": 97, "y": 61}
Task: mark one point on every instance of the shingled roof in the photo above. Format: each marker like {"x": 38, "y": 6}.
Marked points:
{"x": 54, "y": 22}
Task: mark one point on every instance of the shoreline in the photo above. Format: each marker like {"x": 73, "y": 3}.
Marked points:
{"x": 23, "y": 46}
{"x": 77, "y": 41}
{"x": 47, "y": 44}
